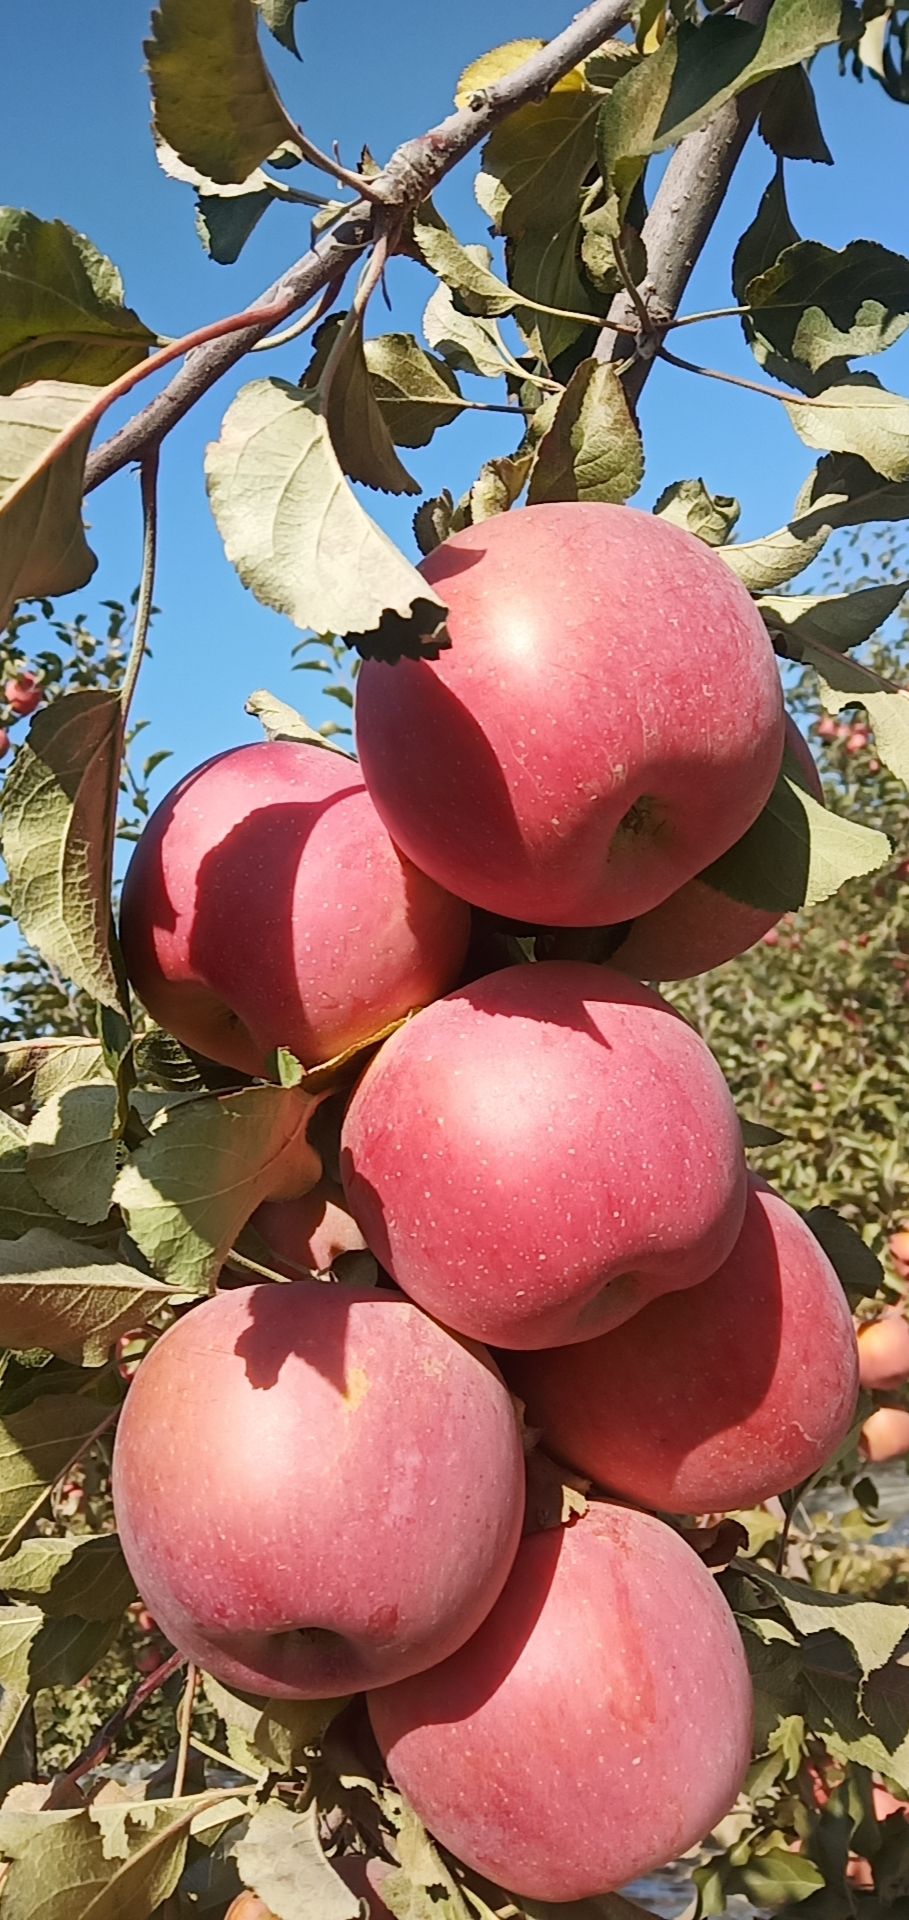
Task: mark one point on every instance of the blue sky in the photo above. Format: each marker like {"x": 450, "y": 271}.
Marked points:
{"x": 76, "y": 144}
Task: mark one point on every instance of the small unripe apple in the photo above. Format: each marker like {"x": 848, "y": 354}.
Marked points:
{"x": 317, "y": 1488}
{"x": 607, "y": 720}
{"x": 598, "y": 1724}
{"x": 265, "y": 906}
{"x": 713, "y": 1399}
{"x": 885, "y": 1435}
{"x": 24, "y": 693}
{"x": 884, "y": 1352}
{"x": 541, "y": 1153}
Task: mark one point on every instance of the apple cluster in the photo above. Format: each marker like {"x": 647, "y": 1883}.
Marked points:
{"x": 320, "y": 1489}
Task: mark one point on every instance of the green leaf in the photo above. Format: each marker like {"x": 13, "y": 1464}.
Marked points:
{"x": 279, "y": 19}
{"x": 859, "y": 1270}
{"x": 224, "y": 223}
{"x": 281, "y": 722}
{"x": 817, "y": 305}
{"x": 359, "y": 431}
{"x": 36, "y": 1651}
{"x": 205, "y": 1167}
{"x": 62, "y": 311}
{"x": 120, "y": 1862}
{"x": 796, "y": 854}
{"x": 690, "y": 504}
{"x": 72, "y": 1300}
{"x": 777, "y": 1878}
{"x": 544, "y": 265}
{"x": 271, "y": 1735}
{"x": 537, "y": 160}
{"x": 213, "y": 99}
{"x": 295, "y": 531}
{"x": 37, "y": 1445}
{"x": 435, "y": 520}
{"x": 61, "y": 1064}
{"x": 789, "y": 119}
{"x": 593, "y": 449}
{"x": 73, "y": 1152}
{"x": 498, "y": 485}
{"x": 839, "y": 620}
{"x": 694, "y": 73}
{"x": 469, "y": 343}
{"x": 58, "y": 812}
{"x": 42, "y": 539}
{"x": 280, "y": 1858}
{"x": 857, "y": 416}
{"x": 872, "y": 1629}
{"x": 83, "y": 1576}
{"x": 416, "y": 391}
{"x": 844, "y": 681}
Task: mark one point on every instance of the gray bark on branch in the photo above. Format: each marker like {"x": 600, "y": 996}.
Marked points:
{"x": 413, "y": 172}
{"x": 685, "y": 207}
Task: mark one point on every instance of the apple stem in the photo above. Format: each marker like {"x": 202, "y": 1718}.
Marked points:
{"x": 107, "y": 1736}
{"x": 144, "y": 607}
{"x": 184, "y": 1726}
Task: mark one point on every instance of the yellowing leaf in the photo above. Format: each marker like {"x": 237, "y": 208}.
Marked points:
{"x": 493, "y": 66}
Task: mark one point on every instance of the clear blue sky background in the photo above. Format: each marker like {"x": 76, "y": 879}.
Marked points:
{"x": 76, "y": 144}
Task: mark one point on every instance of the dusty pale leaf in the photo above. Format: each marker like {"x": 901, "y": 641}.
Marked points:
{"x": 295, "y": 531}
{"x": 279, "y": 19}
{"x": 544, "y": 265}
{"x": 416, "y": 391}
{"x": 107, "y": 1862}
{"x": 58, "y": 812}
{"x": 272, "y": 1735}
{"x": 206, "y": 1165}
{"x": 466, "y": 270}
{"x": 359, "y": 430}
{"x": 70, "y": 1299}
{"x": 280, "y": 1858}
{"x": 281, "y": 722}
{"x": 537, "y": 160}
{"x": 838, "y": 620}
{"x": 860, "y": 417}
{"x": 37, "y": 1445}
{"x": 81, "y": 1576}
{"x": 843, "y": 681}
{"x": 213, "y": 99}
{"x": 21, "y": 1205}
{"x": 43, "y": 549}
{"x": 467, "y": 341}
{"x": 39, "y": 1651}
{"x": 62, "y": 310}
{"x": 774, "y": 559}
{"x": 690, "y": 504}
{"x": 593, "y": 448}
{"x": 498, "y": 485}
{"x": 872, "y": 1629}
{"x": 73, "y": 1150}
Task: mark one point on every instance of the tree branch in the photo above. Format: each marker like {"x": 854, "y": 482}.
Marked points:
{"x": 413, "y": 171}
{"x": 687, "y": 202}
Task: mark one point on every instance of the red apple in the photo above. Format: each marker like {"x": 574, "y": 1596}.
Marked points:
{"x": 24, "y": 693}
{"x": 607, "y": 721}
{"x": 265, "y": 906}
{"x": 597, "y": 1725}
{"x": 716, "y": 1398}
{"x": 317, "y": 1488}
{"x": 885, "y": 1435}
{"x": 308, "y": 1234}
{"x": 898, "y": 1248}
{"x": 248, "y": 1906}
{"x": 883, "y": 1346}
{"x": 5, "y": 743}
{"x": 698, "y": 927}
{"x": 536, "y": 1156}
